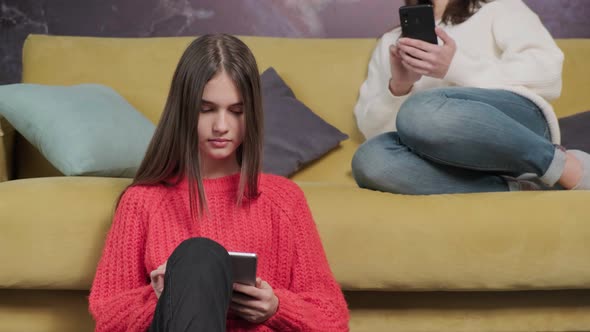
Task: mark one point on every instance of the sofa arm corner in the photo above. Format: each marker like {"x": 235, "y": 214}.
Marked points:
{"x": 7, "y": 135}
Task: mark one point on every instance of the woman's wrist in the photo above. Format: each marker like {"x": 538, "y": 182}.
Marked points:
{"x": 399, "y": 88}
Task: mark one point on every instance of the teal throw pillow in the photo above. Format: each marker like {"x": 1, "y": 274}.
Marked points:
{"x": 86, "y": 129}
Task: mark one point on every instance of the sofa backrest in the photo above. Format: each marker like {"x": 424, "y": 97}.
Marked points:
{"x": 324, "y": 73}
{"x": 575, "y": 93}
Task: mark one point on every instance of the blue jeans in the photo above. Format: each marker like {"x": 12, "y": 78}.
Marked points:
{"x": 459, "y": 140}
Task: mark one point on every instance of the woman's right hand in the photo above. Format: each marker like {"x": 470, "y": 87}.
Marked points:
{"x": 402, "y": 78}
{"x": 157, "y": 279}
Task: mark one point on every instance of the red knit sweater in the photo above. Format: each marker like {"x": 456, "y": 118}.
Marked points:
{"x": 152, "y": 220}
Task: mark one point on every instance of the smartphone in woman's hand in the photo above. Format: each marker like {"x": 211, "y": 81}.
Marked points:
{"x": 417, "y": 22}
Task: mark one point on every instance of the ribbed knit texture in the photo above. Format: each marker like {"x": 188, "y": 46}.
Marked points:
{"x": 151, "y": 221}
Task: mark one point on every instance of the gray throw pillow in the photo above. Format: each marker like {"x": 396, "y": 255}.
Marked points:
{"x": 86, "y": 129}
{"x": 294, "y": 135}
{"x": 575, "y": 131}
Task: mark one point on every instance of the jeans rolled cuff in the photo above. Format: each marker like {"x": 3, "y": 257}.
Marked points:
{"x": 556, "y": 167}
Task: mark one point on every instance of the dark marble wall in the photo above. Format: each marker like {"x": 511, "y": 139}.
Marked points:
{"x": 293, "y": 18}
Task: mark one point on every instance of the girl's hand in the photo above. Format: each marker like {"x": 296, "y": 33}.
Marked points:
{"x": 254, "y": 303}
{"x": 157, "y": 279}
{"x": 428, "y": 59}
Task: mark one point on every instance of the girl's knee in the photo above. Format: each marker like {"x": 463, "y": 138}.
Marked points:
{"x": 428, "y": 119}
{"x": 363, "y": 159}
{"x": 418, "y": 112}
{"x": 372, "y": 162}
{"x": 198, "y": 247}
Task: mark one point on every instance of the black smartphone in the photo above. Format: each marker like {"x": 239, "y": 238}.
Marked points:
{"x": 417, "y": 22}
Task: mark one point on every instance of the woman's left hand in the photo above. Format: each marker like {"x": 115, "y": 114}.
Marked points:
{"x": 254, "y": 303}
{"x": 426, "y": 58}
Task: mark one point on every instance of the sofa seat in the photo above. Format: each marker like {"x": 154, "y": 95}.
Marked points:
{"x": 501, "y": 241}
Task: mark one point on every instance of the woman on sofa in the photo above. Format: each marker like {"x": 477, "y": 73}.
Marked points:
{"x": 198, "y": 194}
{"x": 470, "y": 114}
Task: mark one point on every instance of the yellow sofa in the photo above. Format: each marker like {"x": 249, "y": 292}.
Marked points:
{"x": 479, "y": 262}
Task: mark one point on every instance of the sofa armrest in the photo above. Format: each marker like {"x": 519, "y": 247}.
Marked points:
{"x": 53, "y": 230}
{"x": 7, "y": 134}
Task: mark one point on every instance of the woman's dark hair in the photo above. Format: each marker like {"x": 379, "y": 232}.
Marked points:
{"x": 457, "y": 11}
{"x": 173, "y": 152}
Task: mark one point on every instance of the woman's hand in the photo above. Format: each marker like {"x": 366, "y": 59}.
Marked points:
{"x": 402, "y": 78}
{"x": 427, "y": 59}
{"x": 157, "y": 279}
{"x": 254, "y": 303}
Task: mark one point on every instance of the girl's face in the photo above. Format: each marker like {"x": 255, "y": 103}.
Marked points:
{"x": 221, "y": 126}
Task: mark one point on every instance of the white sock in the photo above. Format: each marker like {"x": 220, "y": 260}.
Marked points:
{"x": 584, "y": 158}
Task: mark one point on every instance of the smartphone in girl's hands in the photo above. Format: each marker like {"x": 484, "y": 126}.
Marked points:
{"x": 244, "y": 267}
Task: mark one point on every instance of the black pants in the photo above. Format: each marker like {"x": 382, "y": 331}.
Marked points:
{"x": 197, "y": 289}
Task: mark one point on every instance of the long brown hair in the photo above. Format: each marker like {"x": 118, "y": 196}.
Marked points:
{"x": 173, "y": 152}
{"x": 457, "y": 11}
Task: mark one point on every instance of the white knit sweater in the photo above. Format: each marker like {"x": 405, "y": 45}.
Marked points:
{"x": 502, "y": 46}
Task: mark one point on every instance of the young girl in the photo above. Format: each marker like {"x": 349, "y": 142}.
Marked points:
{"x": 470, "y": 114}
{"x": 197, "y": 195}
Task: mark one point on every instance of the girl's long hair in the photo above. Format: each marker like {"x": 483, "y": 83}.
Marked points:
{"x": 173, "y": 152}
{"x": 457, "y": 11}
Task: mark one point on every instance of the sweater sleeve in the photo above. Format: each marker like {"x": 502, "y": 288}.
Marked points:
{"x": 314, "y": 300}
{"x": 121, "y": 298}
{"x": 528, "y": 55}
{"x": 376, "y": 108}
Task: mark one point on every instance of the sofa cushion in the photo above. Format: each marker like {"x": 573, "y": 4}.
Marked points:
{"x": 52, "y": 234}
{"x": 294, "y": 135}
{"x": 575, "y": 131}
{"x": 494, "y": 241}
{"x": 85, "y": 129}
